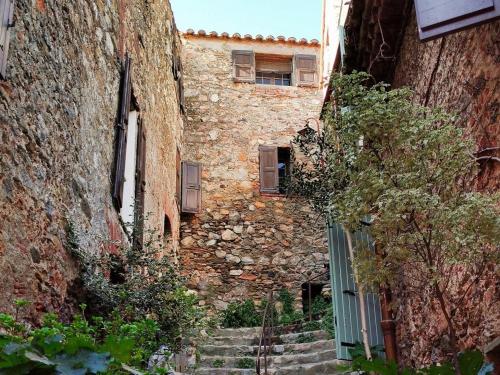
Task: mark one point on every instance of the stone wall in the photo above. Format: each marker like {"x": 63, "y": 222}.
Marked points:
{"x": 244, "y": 242}
{"x": 58, "y": 109}
{"x": 460, "y": 72}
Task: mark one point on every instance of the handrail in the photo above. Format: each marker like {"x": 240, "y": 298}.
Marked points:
{"x": 265, "y": 339}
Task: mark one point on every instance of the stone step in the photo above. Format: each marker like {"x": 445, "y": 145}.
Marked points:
{"x": 254, "y": 340}
{"x": 273, "y": 360}
{"x": 224, "y": 371}
{"x": 328, "y": 367}
{"x": 238, "y": 332}
{"x": 251, "y": 350}
{"x": 303, "y": 337}
{"x": 233, "y": 340}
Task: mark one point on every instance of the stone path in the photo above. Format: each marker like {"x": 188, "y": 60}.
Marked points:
{"x": 301, "y": 353}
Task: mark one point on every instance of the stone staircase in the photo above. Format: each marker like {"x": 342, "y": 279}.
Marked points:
{"x": 295, "y": 353}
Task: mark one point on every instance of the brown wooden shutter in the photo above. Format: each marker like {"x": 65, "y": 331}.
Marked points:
{"x": 121, "y": 136}
{"x": 305, "y": 70}
{"x": 140, "y": 184}
{"x": 244, "y": 66}
{"x": 191, "y": 187}
{"x": 6, "y": 23}
{"x": 437, "y": 18}
{"x": 268, "y": 160}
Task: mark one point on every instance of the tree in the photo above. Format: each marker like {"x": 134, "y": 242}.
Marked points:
{"x": 411, "y": 170}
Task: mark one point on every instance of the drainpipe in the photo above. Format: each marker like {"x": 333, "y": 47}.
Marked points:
{"x": 387, "y": 323}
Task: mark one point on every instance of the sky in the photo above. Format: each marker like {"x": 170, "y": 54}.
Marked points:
{"x": 297, "y": 18}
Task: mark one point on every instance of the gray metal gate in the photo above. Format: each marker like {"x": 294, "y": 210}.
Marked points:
{"x": 344, "y": 295}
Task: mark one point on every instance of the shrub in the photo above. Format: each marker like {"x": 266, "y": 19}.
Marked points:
{"x": 80, "y": 347}
{"x": 245, "y": 363}
{"x": 243, "y": 314}
{"x": 143, "y": 283}
{"x": 327, "y": 323}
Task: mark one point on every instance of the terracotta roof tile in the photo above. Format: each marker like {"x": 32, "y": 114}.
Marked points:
{"x": 258, "y": 37}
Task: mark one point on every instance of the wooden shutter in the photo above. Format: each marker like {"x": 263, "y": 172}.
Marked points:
{"x": 437, "y": 18}
{"x": 268, "y": 160}
{"x": 244, "y": 66}
{"x": 140, "y": 184}
{"x": 6, "y": 22}
{"x": 346, "y": 307}
{"x": 121, "y": 136}
{"x": 191, "y": 187}
{"x": 305, "y": 70}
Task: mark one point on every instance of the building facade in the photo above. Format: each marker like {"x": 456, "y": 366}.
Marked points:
{"x": 246, "y": 99}
{"x": 79, "y": 82}
{"x": 452, "y": 63}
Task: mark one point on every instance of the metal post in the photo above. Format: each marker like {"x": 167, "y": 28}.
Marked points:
{"x": 310, "y": 303}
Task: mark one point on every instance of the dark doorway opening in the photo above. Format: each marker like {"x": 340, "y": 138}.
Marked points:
{"x": 316, "y": 301}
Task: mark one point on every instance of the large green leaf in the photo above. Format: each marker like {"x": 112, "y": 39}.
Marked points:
{"x": 84, "y": 362}
{"x": 470, "y": 362}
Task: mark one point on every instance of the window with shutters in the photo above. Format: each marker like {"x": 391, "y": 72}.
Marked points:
{"x": 437, "y": 18}
{"x": 6, "y": 23}
{"x": 191, "y": 187}
{"x": 273, "y": 70}
{"x": 275, "y": 169}
{"x": 278, "y": 70}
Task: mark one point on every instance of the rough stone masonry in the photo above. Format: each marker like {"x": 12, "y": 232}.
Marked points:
{"x": 58, "y": 110}
{"x": 244, "y": 241}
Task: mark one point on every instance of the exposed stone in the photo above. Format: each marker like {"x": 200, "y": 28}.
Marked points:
{"x": 247, "y": 260}
{"x": 229, "y": 235}
{"x": 211, "y": 243}
{"x": 220, "y": 253}
{"x": 238, "y": 229}
{"x": 232, "y": 258}
{"x": 213, "y": 236}
{"x": 250, "y": 230}
{"x": 188, "y": 241}
{"x": 235, "y": 272}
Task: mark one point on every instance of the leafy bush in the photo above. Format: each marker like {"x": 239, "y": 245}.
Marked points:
{"x": 303, "y": 338}
{"x": 286, "y": 298}
{"x": 327, "y": 323}
{"x": 319, "y": 306}
{"x": 239, "y": 314}
{"x": 143, "y": 282}
{"x": 292, "y": 318}
{"x": 81, "y": 347}
{"x": 218, "y": 363}
{"x": 245, "y": 363}
{"x": 470, "y": 363}
{"x": 313, "y": 325}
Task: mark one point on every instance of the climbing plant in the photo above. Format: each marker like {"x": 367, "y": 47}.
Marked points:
{"x": 409, "y": 171}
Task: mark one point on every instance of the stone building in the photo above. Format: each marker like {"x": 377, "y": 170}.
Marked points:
{"x": 458, "y": 69}
{"x": 69, "y": 99}
{"x": 246, "y": 99}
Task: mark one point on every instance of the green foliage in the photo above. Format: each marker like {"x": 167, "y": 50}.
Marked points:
{"x": 327, "y": 323}
{"x": 291, "y": 318}
{"x": 320, "y": 306}
{"x": 245, "y": 363}
{"x": 77, "y": 348}
{"x": 410, "y": 171}
{"x": 218, "y": 363}
{"x": 303, "y": 338}
{"x": 241, "y": 314}
{"x": 313, "y": 325}
{"x": 287, "y": 300}
{"x": 140, "y": 282}
{"x": 470, "y": 364}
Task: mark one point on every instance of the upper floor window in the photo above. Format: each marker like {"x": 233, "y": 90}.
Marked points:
{"x": 275, "y": 168}
{"x": 273, "y": 70}
{"x": 279, "y": 70}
